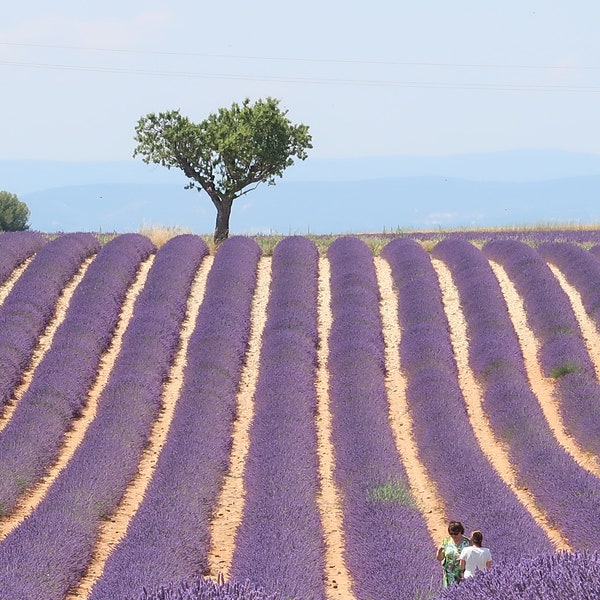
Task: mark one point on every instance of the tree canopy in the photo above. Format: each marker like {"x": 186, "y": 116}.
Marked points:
{"x": 14, "y": 214}
{"x": 228, "y": 154}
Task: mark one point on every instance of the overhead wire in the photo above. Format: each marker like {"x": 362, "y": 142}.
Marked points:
{"x": 528, "y": 87}
{"x": 559, "y": 67}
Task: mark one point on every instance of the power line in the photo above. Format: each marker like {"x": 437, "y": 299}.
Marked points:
{"x": 305, "y": 59}
{"x": 310, "y": 80}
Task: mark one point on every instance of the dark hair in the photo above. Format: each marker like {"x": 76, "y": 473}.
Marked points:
{"x": 477, "y": 538}
{"x": 455, "y": 527}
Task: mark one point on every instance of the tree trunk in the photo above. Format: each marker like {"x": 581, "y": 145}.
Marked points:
{"x": 222, "y": 225}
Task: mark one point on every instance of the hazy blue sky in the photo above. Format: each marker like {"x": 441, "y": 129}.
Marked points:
{"x": 370, "y": 78}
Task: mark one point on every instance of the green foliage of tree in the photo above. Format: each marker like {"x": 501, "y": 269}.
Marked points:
{"x": 228, "y": 154}
{"x": 14, "y": 214}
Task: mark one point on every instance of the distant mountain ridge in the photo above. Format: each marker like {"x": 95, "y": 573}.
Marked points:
{"x": 24, "y": 176}
{"x": 518, "y": 187}
{"x": 322, "y": 207}
{"x": 514, "y": 165}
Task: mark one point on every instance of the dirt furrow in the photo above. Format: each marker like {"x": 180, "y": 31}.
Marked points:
{"x": 422, "y": 487}
{"x": 338, "y": 583}
{"x": 114, "y": 529}
{"x": 492, "y": 448}
{"x": 589, "y": 332}
{"x": 230, "y": 506}
{"x": 76, "y": 434}
{"x": 44, "y": 341}
{"x": 542, "y": 387}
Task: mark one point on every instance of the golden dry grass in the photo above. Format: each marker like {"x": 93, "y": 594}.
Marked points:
{"x": 160, "y": 234}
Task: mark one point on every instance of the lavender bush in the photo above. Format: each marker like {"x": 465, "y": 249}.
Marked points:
{"x": 567, "y": 493}
{"x": 207, "y": 589}
{"x": 16, "y": 247}
{"x": 280, "y": 541}
{"x": 28, "y": 308}
{"x": 30, "y": 442}
{"x": 562, "y": 351}
{"x": 388, "y": 548}
{"x": 581, "y": 269}
{"x": 548, "y": 308}
{"x": 547, "y": 577}
{"x": 47, "y": 554}
{"x": 595, "y": 250}
{"x": 168, "y": 538}
{"x": 472, "y": 490}
{"x": 529, "y": 236}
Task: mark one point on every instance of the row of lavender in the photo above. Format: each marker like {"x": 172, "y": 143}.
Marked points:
{"x": 28, "y": 308}
{"x": 47, "y": 554}
{"x": 16, "y": 248}
{"x": 566, "y": 492}
{"x": 447, "y": 445}
{"x": 562, "y": 355}
{"x": 387, "y": 547}
{"x": 582, "y": 235}
{"x": 31, "y": 441}
{"x": 565, "y": 354}
{"x": 364, "y": 447}
{"x": 497, "y": 507}
{"x": 280, "y": 541}
{"x": 168, "y": 539}
{"x": 261, "y": 530}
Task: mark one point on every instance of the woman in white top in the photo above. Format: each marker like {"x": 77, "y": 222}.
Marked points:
{"x": 475, "y": 558}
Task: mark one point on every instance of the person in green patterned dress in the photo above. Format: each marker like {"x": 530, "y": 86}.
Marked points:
{"x": 448, "y": 553}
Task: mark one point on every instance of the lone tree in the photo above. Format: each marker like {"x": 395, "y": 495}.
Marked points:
{"x": 226, "y": 155}
{"x": 14, "y": 214}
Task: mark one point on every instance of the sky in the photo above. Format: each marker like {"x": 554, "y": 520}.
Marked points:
{"x": 376, "y": 78}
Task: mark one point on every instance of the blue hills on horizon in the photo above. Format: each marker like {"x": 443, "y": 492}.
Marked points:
{"x": 322, "y": 207}
{"x": 319, "y": 196}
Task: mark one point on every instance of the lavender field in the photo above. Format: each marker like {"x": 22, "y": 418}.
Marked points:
{"x": 302, "y": 424}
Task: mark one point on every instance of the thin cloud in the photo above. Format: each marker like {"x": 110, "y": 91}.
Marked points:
{"x": 435, "y": 218}
{"x": 117, "y": 33}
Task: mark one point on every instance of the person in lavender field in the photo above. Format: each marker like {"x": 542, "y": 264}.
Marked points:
{"x": 475, "y": 558}
{"x": 448, "y": 553}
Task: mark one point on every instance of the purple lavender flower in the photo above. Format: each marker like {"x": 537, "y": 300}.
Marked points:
{"x": 562, "y": 351}
{"x": 206, "y": 589}
{"x": 48, "y": 553}
{"x": 447, "y": 445}
{"x": 168, "y": 539}
{"x": 280, "y": 541}
{"x": 386, "y": 537}
{"x": 556, "y": 576}
{"x": 30, "y": 442}
{"x": 16, "y": 247}
{"x": 566, "y": 492}
{"x": 28, "y": 308}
